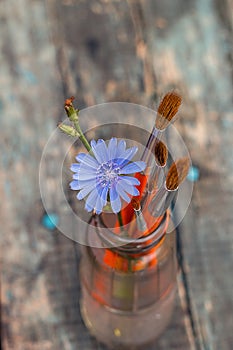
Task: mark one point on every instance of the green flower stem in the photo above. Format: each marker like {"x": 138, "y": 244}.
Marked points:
{"x": 81, "y": 136}
{"x": 72, "y": 114}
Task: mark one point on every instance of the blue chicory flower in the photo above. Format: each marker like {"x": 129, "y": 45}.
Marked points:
{"x": 103, "y": 174}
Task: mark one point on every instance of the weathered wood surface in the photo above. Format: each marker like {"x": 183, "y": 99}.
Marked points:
{"x": 113, "y": 51}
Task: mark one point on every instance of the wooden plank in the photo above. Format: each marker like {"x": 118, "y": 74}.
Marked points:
{"x": 108, "y": 51}
{"x": 40, "y": 289}
{"x": 39, "y": 279}
{"x": 30, "y": 105}
{"x": 191, "y": 45}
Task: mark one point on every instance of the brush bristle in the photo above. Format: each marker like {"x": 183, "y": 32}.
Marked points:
{"x": 168, "y": 108}
{"x": 135, "y": 203}
{"x": 177, "y": 173}
{"x": 161, "y": 153}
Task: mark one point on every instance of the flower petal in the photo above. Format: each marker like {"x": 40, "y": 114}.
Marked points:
{"x": 99, "y": 205}
{"x": 134, "y": 167}
{"x": 85, "y": 191}
{"x": 88, "y": 208}
{"x": 97, "y": 154}
{"x": 120, "y": 148}
{"x": 132, "y": 180}
{"x": 121, "y": 192}
{"x": 128, "y": 187}
{"x": 84, "y": 170}
{"x": 87, "y": 159}
{"x": 75, "y": 167}
{"x": 103, "y": 191}
{"x": 112, "y": 148}
{"x": 101, "y": 200}
{"x": 128, "y": 155}
{"x": 91, "y": 199}
{"x": 83, "y": 183}
{"x": 74, "y": 185}
{"x": 93, "y": 143}
{"x": 81, "y": 175}
{"x": 102, "y": 151}
{"x": 115, "y": 200}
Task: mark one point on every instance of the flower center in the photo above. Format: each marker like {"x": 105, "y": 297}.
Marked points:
{"x": 107, "y": 173}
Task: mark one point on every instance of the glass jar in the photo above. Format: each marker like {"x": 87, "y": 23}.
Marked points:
{"x": 128, "y": 290}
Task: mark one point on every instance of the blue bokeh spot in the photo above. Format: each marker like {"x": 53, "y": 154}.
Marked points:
{"x": 193, "y": 174}
{"x": 50, "y": 221}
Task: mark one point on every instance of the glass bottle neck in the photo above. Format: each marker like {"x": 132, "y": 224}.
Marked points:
{"x": 133, "y": 246}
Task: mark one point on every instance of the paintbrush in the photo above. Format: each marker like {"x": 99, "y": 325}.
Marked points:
{"x": 161, "y": 155}
{"x": 141, "y": 223}
{"x": 167, "y": 110}
{"x": 175, "y": 176}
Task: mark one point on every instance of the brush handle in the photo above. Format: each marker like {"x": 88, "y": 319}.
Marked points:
{"x": 161, "y": 201}
{"x": 170, "y": 197}
{"x": 150, "y": 144}
{"x": 154, "y": 180}
{"x": 158, "y": 200}
{"x": 141, "y": 223}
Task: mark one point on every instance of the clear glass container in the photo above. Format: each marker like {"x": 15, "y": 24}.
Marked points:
{"x": 128, "y": 291}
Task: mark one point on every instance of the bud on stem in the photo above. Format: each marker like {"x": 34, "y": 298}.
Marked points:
{"x": 69, "y": 130}
{"x": 71, "y": 112}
